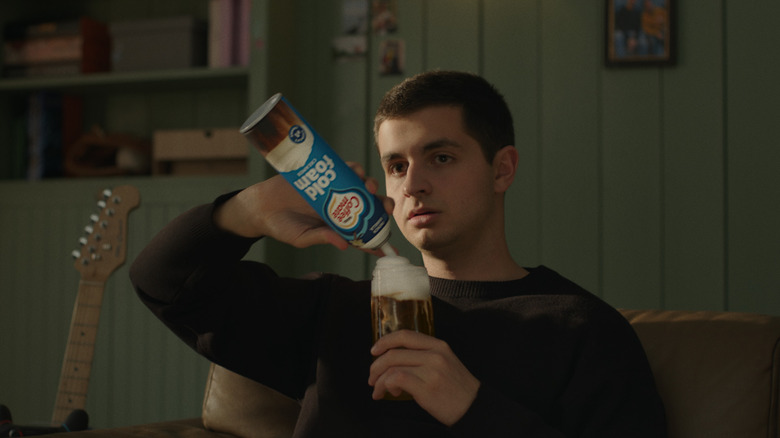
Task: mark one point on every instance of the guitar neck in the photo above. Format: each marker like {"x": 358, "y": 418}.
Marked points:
{"x": 103, "y": 250}
{"x": 80, "y": 350}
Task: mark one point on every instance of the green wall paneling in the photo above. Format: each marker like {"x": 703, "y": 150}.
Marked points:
{"x": 753, "y": 156}
{"x": 570, "y": 60}
{"x": 517, "y": 74}
{"x": 693, "y": 164}
{"x": 452, "y": 35}
{"x": 630, "y": 186}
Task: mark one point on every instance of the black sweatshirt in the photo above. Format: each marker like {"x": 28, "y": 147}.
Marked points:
{"x": 553, "y": 359}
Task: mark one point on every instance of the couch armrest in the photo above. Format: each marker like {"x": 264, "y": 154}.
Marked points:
{"x": 239, "y": 406}
{"x": 718, "y": 373}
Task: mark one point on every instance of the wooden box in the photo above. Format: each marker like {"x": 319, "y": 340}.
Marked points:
{"x": 199, "y": 152}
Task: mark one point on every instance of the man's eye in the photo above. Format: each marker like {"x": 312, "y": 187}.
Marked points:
{"x": 396, "y": 168}
{"x": 442, "y": 158}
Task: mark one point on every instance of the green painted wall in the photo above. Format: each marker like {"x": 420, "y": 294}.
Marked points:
{"x": 652, "y": 187}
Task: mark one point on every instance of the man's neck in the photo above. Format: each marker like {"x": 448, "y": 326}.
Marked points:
{"x": 494, "y": 265}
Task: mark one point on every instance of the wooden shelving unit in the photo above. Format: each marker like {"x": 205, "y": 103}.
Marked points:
{"x": 148, "y": 80}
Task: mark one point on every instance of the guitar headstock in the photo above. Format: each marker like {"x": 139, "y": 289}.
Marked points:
{"x": 104, "y": 246}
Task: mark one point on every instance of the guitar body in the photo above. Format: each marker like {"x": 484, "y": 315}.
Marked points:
{"x": 103, "y": 250}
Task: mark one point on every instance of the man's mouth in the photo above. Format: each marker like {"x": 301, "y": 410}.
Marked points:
{"x": 421, "y": 216}
{"x": 419, "y": 212}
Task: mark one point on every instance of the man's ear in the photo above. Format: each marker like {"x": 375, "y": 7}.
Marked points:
{"x": 505, "y": 168}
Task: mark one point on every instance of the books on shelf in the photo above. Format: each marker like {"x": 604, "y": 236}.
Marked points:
{"x": 53, "y": 123}
{"x": 229, "y": 33}
{"x": 44, "y": 142}
{"x": 55, "y": 48}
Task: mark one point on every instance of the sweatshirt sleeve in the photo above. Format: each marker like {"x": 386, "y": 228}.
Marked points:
{"x": 494, "y": 415}
{"x": 188, "y": 244}
{"x": 192, "y": 278}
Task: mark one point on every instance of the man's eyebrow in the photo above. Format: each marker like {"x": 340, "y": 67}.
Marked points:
{"x": 432, "y": 146}
{"x": 442, "y": 143}
{"x": 386, "y": 158}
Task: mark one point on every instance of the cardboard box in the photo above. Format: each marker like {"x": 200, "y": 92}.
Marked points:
{"x": 156, "y": 44}
{"x": 199, "y": 152}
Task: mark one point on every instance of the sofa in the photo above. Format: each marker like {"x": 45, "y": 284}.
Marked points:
{"x": 717, "y": 373}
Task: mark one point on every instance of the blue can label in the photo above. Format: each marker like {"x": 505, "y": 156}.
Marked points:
{"x": 334, "y": 190}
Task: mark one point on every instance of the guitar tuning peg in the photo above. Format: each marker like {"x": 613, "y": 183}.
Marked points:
{"x": 89, "y": 229}
{"x": 110, "y": 212}
{"x": 94, "y": 218}
{"x": 116, "y": 199}
{"x": 101, "y": 204}
{"x": 82, "y": 241}
{"x": 76, "y": 254}
{"x": 104, "y": 225}
{"x": 107, "y": 193}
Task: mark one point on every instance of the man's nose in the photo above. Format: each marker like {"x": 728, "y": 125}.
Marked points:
{"x": 417, "y": 181}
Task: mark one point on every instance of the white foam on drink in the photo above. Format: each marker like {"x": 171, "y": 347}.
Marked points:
{"x": 395, "y": 277}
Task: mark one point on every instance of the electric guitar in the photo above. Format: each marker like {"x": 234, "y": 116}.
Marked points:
{"x": 103, "y": 250}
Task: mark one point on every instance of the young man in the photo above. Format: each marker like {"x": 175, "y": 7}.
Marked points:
{"x": 518, "y": 351}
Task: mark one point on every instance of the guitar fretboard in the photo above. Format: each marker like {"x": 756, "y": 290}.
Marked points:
{"x": 80, "y": 350}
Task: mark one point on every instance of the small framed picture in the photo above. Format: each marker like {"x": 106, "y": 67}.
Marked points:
{"x": 392, "y": 57}
{"x": 640, "y": 32}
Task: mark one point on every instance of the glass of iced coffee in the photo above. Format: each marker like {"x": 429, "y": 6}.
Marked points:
{"x": 400, "y": 300}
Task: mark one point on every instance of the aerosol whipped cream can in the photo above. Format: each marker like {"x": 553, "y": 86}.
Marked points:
{"x": 325, "y": 181}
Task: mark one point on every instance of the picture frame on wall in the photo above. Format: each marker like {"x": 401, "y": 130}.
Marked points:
{"x": 640, "y": 32}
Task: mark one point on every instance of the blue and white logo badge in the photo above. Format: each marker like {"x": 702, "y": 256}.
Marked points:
{"x": 297, "y": 134}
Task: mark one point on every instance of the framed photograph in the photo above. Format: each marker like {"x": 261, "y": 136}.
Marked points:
{"x": 640, "y": 32}
{"x": 392, "y": 57}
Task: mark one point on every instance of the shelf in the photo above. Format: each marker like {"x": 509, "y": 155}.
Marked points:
{"x": 162, "y": 79}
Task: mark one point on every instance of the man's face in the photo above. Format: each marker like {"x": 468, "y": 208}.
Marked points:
{"x": 438, "y": 177}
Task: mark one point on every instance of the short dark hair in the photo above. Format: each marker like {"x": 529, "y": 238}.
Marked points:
{"x": 486, "y": 116}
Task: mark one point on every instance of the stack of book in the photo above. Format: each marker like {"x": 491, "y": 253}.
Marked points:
{"x": 56, "y": 48}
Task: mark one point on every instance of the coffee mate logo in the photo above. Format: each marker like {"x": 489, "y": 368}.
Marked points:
{"x": 344, "y": 208}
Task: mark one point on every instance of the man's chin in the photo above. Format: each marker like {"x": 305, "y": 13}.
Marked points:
{"x": 424, "y": 240}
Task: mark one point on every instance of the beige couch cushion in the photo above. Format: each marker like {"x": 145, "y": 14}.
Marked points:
{"x": 245, "y": 408}
{"x": 717, "y": 372}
